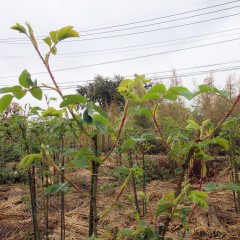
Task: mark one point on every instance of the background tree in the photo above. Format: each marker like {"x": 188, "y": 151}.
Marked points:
{"x": 212, "y": 106}
{"x": 103, "y": 91}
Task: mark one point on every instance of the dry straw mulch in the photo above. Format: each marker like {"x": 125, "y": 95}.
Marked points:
{"x": 219, "y": 222}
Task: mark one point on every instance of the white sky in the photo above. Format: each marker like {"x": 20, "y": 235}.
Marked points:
{"x": 49, "y": 15}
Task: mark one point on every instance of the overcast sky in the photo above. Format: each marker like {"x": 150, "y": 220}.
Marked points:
{"x": 177, "y": 34}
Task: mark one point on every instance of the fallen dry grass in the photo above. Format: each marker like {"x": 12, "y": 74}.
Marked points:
{"x": 219, "y": 222}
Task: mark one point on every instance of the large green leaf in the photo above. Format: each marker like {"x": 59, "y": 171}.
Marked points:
{"x": 125, "y": 231}
{"x": 53, "y": 36}
{"x": 25, "y": 79}
{"x": 150, "y": 96}
{"x": 36, "y": 92}
{"x": 80, "y": 161}
{"x": 53, "y": 189}
{"x": 5, "y": 101}
{"x": 87, "y": 117}
{"x": 206, "y": 88}
{"x": 175, "y": 91}
{"x": 66, "y": 32}
{"x": 99, "y": 110}
{"x": 15, "y": 90}
{"x": 99, "y": 118}
{"x": 171, "y": 95}
{"x": 28, "y": 160}
{"x": 12, "y": 89}
{"x": 199, "y": 198}
{"x": 222, "y": 142}
{"x": 230, "y": 186}
{"x": 192, "y": 124}
{"x": 211, "y": 187}
{"x": 19, "y": 28}
{"x": 20, "y": 95}
{"x": 142, "y": 111}
{"x": 158, "y": 88}
{"x": 72, "y": 99}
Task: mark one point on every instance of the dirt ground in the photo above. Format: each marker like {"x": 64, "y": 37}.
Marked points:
{"x": 219, "y": 222}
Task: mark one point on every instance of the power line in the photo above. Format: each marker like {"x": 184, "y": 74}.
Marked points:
{"x": 135, "y": 33}
{"x": 132, "y": 58}
{"x": 169, "y": 71}
{"x": 158, "y": 23}
{"x": 154, "y": 30}
{"x": 157, "y": 18}
{"x": 136, "y": 22}
{"x": 167, "y": 77}
{"x": 166, "y": 71}
{"x": 138, "y": 49}
{"x": 126, "y": 47}
{"x": 143, "y": 56}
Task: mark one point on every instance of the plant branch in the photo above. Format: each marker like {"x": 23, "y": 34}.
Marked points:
{"x": 58, "y": 171}
{"x": 157, "y": 125}
{"x": 102, "y": 215}
{"x": 227, "y": 114}
{"x": 119, "y": 131}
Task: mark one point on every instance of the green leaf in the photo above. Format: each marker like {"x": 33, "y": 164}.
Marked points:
{"x": 125, "y": 231}
{"x": 48, "y": 41}
{"x": 28, "y": 160}
{"x": 34, "y": 110}
{"x": 20, "y": 95}
{"x": 19, "y": 28}
{"x": 66, "y": 32}
{"x": 53, "y": 36}
{"x": 206, "y": 88}
{"x": 87, "y": 118}
{"x": 99, "y": 118}
{"x": 16, "y": 88}
{"x": 199, "y": 198}
{"x": 158, "y": 88}
{"x": 193, "y": 124}
{"x": 208, "y": 158}
{"x": 99, "y": 110}
{"x": 36, "y": 92}
{"x": 137, "y": 171}
{"x": 123, "y": 170}
{"x": 52, "y": 112}
{"x": 142, "y": 111}
{"x": 230, "y": 186}
{"x": 53, "y": 189}
{"x": 171, "y": 95}
{"x": 150, "y": 96}
{"x": 30, "y": 30}
{"x": 222, "y": 142}
{"x": 162, "y": 208}
{"x": 165, "y": 204}
{"x": 127, "y": 145}
{"x": 181, "y": 91}
{"x": 25, "y": 79}
{"x": 80, "y": 161}
{"x": 5, "y": 101}
{"x": 210, "y": 187}
{"x": 72, "y": 99}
